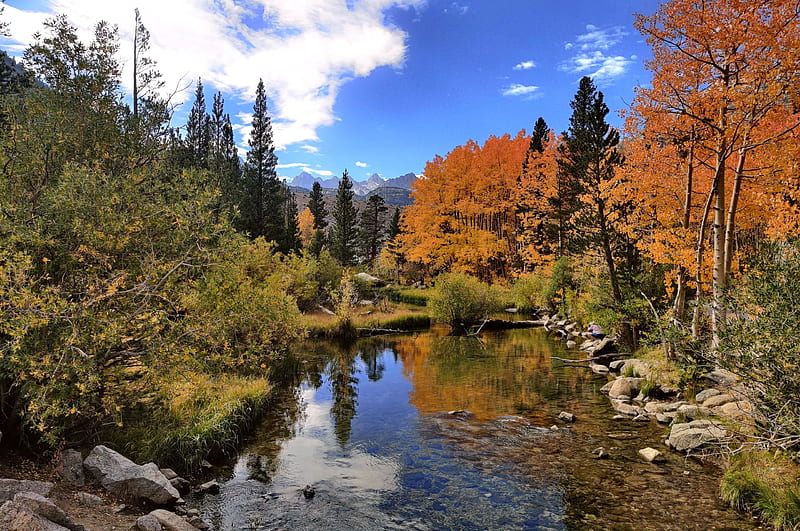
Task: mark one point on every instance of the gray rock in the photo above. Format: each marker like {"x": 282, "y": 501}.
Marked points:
{"x": 641, "y": 418}
{"x": 198, "y": 522}
{"x": 722, "y": 377}
{"x": 10, "y": 487}
{"x": 71, "y": 469}
{"x": 89, "y": 500}
{"x": 620, "y": 417}
{"x": 689, "y": 436}
{"x": 625, "y": 386}
{"x": 718, "y": 400}
{"x": 123, "y": 477}
{"x": 617, "y": 365}
{"x": 598, "y": 368}
{"x": 210, "y": 487}
{"x": 169, "y": 473}
{"x": 651, "y": 455}
{"x": 735, "y": 410}
{"x": 694, "y": 411}
{"x": 571, "y": 344}
{"x": 46, "y": 509}
{"x": 663, "y": 407}
{"x": 147, "y": 522}
{"x": 663, "y": 418}
{"x": 705, "y": 394}
{"x": 182, "y": 485}
{"x": 600, "y": 453}
{"x": 626, "y": 409}
{"x": 566, "y": 417}
{"x": 17, "y": 517}
{"x": 171, "y": 521}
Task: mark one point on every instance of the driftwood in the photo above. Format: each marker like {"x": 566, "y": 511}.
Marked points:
{"x": 503, "y": 324}
{"x": 589, "y": 360}
{"x": 368, "y": 332}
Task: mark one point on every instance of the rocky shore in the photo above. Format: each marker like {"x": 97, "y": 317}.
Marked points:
{"x": 34, "y": 505}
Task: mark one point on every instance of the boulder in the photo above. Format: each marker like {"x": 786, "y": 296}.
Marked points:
{"x": 734, "y": 410}
{"x": 71, "y": 468}
{"x": 663, "y": 407}
{"x": 705, "y": 394}
{"x": 123, "y": 477}
{"x": 89, "y": 500}
{"x": 598, "y": 368}
{"x": 689, "y": 436}
{"x": 617, "y": 365}
{"x": 718, "y": 400}
{"x": 566, "y": 417}
{"x": 171, "y": 521}
{"x": 607, "y": 345}
{"x": 147, "y": 522}
{"x": 17, "y": 517}
{"x": 10, "y": 487}
{"x": 722, "y": 377}
{"x": 182, "y": 485}
{"x": 693, "y": 411}
{"x": 169, "y": 473}
{"x": 625, "y": 386}
{"x": 651, "y": 455}
{"x": 626, "y": 409}
{"x": 45, "y": 508}
{"x": 210, "y": 487}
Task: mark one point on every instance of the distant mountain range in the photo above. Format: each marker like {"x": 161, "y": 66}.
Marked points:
{"x": 394, "y": 191}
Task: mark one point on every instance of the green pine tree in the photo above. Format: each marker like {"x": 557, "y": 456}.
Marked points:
{"x": 264, "y": 202}
{"x": 316, "y": 204}
{"x": 372, "y": 228}
{"x": 344, "y": 232}
{"x": 198, "y": 131}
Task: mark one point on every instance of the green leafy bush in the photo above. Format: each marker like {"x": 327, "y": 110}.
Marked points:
{"x": 460, "y": 300}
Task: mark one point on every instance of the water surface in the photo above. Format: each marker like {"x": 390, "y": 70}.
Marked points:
{"x": 433, "y": 431}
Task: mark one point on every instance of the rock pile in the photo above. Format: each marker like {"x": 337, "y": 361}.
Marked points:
{"x": 26, "y": 506}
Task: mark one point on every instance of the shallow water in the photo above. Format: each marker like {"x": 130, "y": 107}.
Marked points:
{"x": 438, "y": 432}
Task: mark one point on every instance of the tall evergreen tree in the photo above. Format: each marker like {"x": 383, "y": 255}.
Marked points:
{"x": 146, "y": 78}
{"x": 344, "y": 232}
{"x": 264, "y": 201}
{"x": 316, "y": 204}
{"x": 198, "y": 131}
{"x": 372, "y": 228}
{"x": 291, "y": 231}
{"x": 394, "y": 224}
{"x": 223, "y": 155}
{"x": 588, "y": 160}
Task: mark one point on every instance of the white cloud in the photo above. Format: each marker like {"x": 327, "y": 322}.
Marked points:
{"x": 459, "y": 9}
{"x": 597, "y": 65}
{"x": 304, "y": 50}
{"x": 593, "y": 58}
{"x": 520, "y": 90}
{"x": 525, "y": 65}
{"x": 601, "y": 39}
{"x": 309, "y": 149}
{"x": 361, "y": 164}
{"x": 292, "y": 165}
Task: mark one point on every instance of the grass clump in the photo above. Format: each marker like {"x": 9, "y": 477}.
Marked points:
{"x": 765, "y": 484}
{"x": 460, "y": 300}
{"x": 203, "y": 417}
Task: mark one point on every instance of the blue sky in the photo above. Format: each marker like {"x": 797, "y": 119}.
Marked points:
{"x": 376, "y": 86}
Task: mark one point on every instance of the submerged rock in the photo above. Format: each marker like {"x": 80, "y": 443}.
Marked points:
{"x": 651, "y": 455}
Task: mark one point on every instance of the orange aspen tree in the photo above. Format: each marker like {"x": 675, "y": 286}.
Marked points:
{"x": 464, "y": 212}
{"x": 728, "y": 66}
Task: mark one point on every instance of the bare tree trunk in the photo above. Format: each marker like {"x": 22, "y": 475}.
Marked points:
{"x": 719, "y": 272}
{"x": 679, "y": 306}
{"x": 734, "y": 203}
{"x": 699, "y": 252}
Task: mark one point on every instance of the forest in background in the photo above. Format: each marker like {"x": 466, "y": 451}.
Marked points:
{"x": 140, "y": 262}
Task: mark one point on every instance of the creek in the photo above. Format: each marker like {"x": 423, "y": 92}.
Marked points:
{"x": 431, "y": 431}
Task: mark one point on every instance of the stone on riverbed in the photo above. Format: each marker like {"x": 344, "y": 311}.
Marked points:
{"x": 566, "y": 417}
{"x": 691, "y": 435}
{"x": 693, "y": 411}
{"x": 623, "y": 387}
{"x": 651, "y": 455}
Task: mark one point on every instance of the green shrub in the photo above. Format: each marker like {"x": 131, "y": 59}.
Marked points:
{"x": 766, "y": 485}
{"x": 460, "y": 300}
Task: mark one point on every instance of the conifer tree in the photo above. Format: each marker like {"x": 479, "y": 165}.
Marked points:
{"x": 588, "y": 161}
{"x": 344, "y": 232}
{"x": 394, "y": 224}
{"x": 223, "y": 155}
{"x": 316, "y": 204}
{"x": 372, "y": 228}
{"x": 198, "y": 131}
{"x": 264, "y": 202}
{"x": 291, "y": 232}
